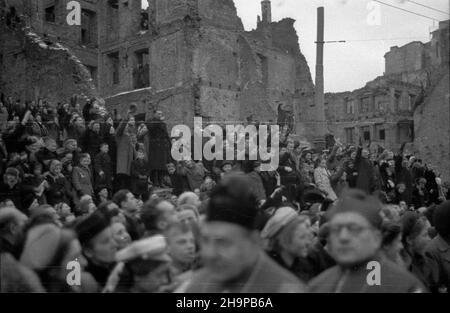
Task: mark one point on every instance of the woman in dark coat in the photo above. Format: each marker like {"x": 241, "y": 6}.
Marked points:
{"x": 139, "y": 174}
{"x": 92, "y": 139}
{"x": 103, "y": 169}
{"x": 366, "y": 176}
{"x": 157, "y": 145}
{"x": 388, "y": 181}
{"x": 289, "y": 177}
{"x": 76, "y": 129}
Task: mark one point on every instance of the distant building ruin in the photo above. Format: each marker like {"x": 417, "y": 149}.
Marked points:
{"x": 409, "y": 103}
{"x": 194, "y": 58}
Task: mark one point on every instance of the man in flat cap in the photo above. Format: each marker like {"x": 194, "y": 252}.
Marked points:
{"x": 230, "y": 248}
{"x": 354, "y": 243}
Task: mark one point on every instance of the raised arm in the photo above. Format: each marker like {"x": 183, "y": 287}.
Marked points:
{"x": 121, "y": 127}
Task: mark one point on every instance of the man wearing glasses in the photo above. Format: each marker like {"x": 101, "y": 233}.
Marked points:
{"x": 354, "y": 243}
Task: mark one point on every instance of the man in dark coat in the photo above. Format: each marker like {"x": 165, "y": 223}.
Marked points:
{"x": 92, "y": 139}
{"x": 157, "y": 144}
{"x": 175, "y": 180}
{"x": 403, "y": 175}
{"x": 233, "y": 258}
{"x": 431, "y": 185}
{"x": 139, "y": 175}
{"x": 354, "y": 243}
{"x": 103, "y": 168}
{"x": 437, "y": 253}
{"x": 366, "y": 174}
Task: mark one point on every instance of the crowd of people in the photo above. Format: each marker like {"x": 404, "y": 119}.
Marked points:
{"x": 86, "y": 185}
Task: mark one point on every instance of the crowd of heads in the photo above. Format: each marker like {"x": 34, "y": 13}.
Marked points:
{"x": 81, "y": 186}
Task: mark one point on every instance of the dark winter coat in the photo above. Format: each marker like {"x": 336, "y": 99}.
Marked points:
{"x": 91, "y": 142}
{"x": 266, "y": 277}
{"x": 139, "y": 176}
{"x": 366, "y": 176}
{"x": 393, "y": 279}
{"x": 102, "y": 163}
{"x": 58, "y": 191}
{"x": 157, "y": 144}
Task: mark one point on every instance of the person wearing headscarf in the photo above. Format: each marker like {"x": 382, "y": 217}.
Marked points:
{"x": 289, "y": 238}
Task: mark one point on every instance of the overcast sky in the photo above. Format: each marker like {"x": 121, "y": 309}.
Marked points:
{"x": 350, "y": 65}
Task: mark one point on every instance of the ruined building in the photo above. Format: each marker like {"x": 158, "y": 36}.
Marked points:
{"x": 41, "y": 56}
{"x": 185, "y": 57}
{"x": 194, "y": 58}
{"x": 409, "y": 103}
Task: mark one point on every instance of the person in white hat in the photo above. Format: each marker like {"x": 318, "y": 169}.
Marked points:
{"x": 289, "y": 237}
{"x": 146, "y": 265}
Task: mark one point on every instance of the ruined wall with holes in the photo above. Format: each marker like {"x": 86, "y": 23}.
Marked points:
{"x": 31, "y": 69}
{"x": 432, "y": 126}
{"x": 44, "y": 56}
{"x": 203, "y": 63}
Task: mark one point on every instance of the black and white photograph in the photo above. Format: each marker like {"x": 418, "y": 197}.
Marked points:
{"x": 238, "y": 149}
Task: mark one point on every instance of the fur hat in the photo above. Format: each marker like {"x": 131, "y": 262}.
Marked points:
{"x": 40, "y": 246}
{"x": 233, "y": 201}
{"x": 91, "y": 226}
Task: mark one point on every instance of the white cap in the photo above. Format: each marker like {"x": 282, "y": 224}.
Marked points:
{"x": 151, "y": 248}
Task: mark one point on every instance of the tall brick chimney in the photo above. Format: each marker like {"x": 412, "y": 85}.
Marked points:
{"x": 266, "y": 9}
{"x": 320, "y": 123}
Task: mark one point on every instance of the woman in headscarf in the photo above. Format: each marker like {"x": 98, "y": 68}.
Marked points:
{"x": 288, "y": 238}
{"x": 322, "y": 179}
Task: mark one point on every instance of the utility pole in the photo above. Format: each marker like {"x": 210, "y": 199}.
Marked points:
{"x": 320, "y": 128}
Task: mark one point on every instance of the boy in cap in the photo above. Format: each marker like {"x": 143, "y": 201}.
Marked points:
{"x": 140, "y": 172}
{"x": 354, "y": 243}
{"x": 233, "y": 258}
{"x": 174, "y": 180}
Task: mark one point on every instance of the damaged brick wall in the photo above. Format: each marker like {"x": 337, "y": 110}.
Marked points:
{"x": 432, "y": 127}
{"x": 410, "y": 57}
{"x": 31, "y": 68}
{"x": 200, "y": 50}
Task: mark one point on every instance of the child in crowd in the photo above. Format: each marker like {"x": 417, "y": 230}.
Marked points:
{"x": 140, "y": 173}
